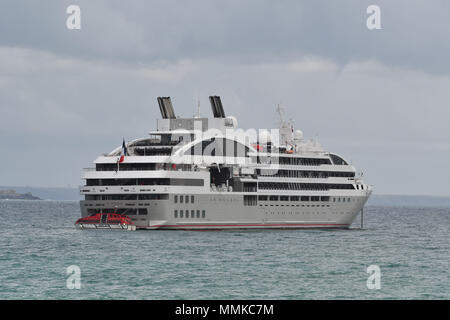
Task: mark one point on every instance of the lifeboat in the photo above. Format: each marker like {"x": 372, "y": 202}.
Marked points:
{"x": 106, "y": 221}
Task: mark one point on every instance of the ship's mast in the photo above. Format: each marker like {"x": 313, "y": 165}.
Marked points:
{"x": 280, "y": 112}
{"x": 286, "y": 128}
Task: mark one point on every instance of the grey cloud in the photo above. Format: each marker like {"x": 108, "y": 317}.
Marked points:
{"x": 388, "y": 121}
{"x": 414, "y": 34}
{"x": 379, "y": 98}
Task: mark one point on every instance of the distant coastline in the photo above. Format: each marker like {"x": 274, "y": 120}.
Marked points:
{"x": 13, "y": 195}
{"x": 382, "y": 200}
{"x": 58, "y": 194}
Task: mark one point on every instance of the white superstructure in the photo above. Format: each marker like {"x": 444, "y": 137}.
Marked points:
{"x": 205, "y": 173}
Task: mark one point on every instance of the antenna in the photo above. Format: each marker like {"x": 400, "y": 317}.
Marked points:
{"x": 283, "y": 123}
{"x": 198, "y": 108}
{"x": 280, "y": 112}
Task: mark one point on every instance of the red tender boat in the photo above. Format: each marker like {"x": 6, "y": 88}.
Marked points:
{"x": 106, "y": 221}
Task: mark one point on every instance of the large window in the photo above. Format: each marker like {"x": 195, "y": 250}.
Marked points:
{"x": 250, "y": 200}
{"x": 337, "y": 160}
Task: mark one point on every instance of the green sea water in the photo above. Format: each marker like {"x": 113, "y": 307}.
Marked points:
{"x": 39, "y": 242}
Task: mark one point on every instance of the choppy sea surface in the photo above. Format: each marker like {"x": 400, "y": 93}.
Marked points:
{"x": 39, "y": 241}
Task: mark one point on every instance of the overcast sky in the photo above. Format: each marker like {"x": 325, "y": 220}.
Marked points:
{"x": 379, "y": 98}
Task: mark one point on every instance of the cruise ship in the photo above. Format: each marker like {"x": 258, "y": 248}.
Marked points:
{"x": 201, "y": 173}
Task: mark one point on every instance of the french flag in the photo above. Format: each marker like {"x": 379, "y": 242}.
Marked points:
{"x": 124, "y": 152}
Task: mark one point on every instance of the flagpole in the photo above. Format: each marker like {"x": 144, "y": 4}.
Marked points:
{"x": 123, "y": 153}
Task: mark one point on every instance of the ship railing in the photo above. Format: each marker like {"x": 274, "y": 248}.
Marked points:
{"x": 162, "y": 168}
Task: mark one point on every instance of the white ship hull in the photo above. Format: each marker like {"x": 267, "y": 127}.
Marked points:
{"x": 227, "y": 211}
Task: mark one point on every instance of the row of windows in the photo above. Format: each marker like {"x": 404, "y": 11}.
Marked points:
{"x": 293, "y": 198}
{"x": 341, "y": 199}
{"x": 152, "y": 196}
{"x": 139, "y": 182}
{"x": 142, "y": 166}
{"x": 295, "y": 205}
{"x": 124, "y": 166}
{"x": 152, "y": 151}
{"x": 302, "y": 186}
{"x": 305, "y": 161}
{"x": 128, "y": 212}
{"x": 305, "y": 213}
{"x": 160, "y": 140}
{"x": 296, "y": 161}
{"x": 185, "y": 214}
{"x": 303, "y": 174}
{"x": 183, "y": 198}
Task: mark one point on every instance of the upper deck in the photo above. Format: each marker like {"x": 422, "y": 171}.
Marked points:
{"x": 210, "y": 154}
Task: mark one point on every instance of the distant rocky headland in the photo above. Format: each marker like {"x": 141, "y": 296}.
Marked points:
{"x": 13, "y": 195}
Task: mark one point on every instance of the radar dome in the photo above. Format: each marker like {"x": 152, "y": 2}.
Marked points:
{"x": 298, "y": 135}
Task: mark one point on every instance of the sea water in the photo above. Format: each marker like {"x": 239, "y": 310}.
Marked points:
{"x": 39, "y": 243}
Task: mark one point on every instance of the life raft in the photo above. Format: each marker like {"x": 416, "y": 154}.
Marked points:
{"x": 106, "y": 221}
